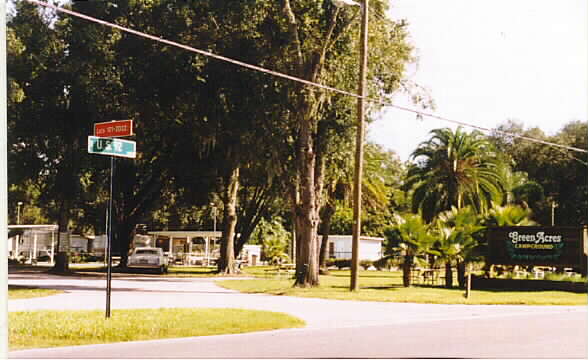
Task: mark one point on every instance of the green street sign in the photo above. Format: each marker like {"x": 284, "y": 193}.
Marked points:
{"x": 112, "y": 147}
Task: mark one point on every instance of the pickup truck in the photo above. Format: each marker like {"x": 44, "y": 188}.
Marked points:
{"x": 148, "y": 258}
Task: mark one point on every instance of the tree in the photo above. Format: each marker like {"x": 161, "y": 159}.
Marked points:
{"x": 454, "y": 169}
{"x": 415, "y": 240}
{"x": 509, "y": 215}
{"x": 198, "y": 121}
{"x": 52, "y": 107}
{"x": 274, "y": 240}
{"x": 319, "y": 46}
{"x": 555, "y": 174}
{"x": 382, "y": 175}
{"x": 456, "y": 231}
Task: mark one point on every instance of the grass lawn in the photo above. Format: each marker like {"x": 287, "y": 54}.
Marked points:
{"x": 387, "y": 286}
{"x": 192, "y": 271}
{"x": 26, "y": 292}
{"x": 173, "y": 271}
{"x": 40, "y": 329}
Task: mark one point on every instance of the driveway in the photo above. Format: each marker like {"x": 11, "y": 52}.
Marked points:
{"x": 320, "y": 314}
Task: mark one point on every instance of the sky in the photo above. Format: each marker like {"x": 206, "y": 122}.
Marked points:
{"x": 485, "y": 62}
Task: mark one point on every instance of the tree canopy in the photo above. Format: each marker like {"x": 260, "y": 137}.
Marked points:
{"x": 454, "y": 168}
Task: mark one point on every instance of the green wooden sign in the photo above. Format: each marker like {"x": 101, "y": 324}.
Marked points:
{"x": 534, "y": 245}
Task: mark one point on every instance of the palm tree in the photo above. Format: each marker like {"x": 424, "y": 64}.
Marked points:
{"x": 415, "y": 239}
{"x": 510, "y": 180}
{"x": 509, "y": 215}
{"x": 457, "y": 241}
{"x": 382, "y": 172}
{"x": 454, "y": 169}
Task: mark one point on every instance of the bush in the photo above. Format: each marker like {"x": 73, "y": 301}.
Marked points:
{"x": 384, "y": 263}
{"x": 331, "y": 262}
{"x": 84, "y": 257}
{"x": 91, "y": 258}
{"x": 342, "y": 263}
{"x": 366, "y": 264}
{"x": 75, "y": 258}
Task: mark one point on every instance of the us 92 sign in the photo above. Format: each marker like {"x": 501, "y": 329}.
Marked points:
{"x": 534, "y": 245}
{"x": 113, "y": 147}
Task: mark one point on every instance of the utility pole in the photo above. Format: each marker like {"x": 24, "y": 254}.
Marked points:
{"x": 18, "y": 205}
{"x": 3, "y": 173}
{"x": 553, "y": 206}
{"x": 213, "y": 218}
{"x": 354, "y": 285}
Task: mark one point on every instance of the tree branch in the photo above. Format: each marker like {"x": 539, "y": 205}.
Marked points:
{"x": 293, "y": 29}
{"x": 343, "y": 31}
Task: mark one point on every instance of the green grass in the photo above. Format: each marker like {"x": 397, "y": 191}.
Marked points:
{"x": 192, "y": 271}
{"x": 173, "y": 271}
{"x": 41, "y": 329}
{"x": 387, "y": 286}
{"x": 26, "y": 292}
{"x": 563, "y": 277}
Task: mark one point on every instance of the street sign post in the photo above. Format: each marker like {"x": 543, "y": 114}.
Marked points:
{"x": 113, "y": 147}
{"x": 104, "y": 143}
{"x": 114, "y": 128}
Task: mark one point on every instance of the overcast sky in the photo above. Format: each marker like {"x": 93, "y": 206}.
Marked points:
{"x": 488, "y": 61}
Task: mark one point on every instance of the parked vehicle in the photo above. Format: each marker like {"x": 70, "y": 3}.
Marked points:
{"x": 148, "y": 258}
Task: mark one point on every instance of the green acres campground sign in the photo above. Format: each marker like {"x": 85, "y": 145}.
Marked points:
{"x": 534, "y": 245}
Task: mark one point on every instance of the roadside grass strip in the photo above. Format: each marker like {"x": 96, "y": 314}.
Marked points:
{"x": 25, "y": 292}
{"x": 173, "y": 271}
{"x": 42, "y": 329}
{"x": 387, "y": 287}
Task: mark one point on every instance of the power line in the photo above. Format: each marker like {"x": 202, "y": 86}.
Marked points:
{"x": 192, "y": 49}
{"x": 419, "y": 113}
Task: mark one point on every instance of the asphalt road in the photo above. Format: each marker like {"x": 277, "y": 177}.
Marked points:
{"x": 334, "y": 328}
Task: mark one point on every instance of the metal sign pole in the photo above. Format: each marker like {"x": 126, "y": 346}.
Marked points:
{"x": 104, "y": 142}
{"x": 109, "y": 241}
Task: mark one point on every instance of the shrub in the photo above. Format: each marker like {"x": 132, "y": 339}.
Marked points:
{"x": 366, "y": 264}
{"x": 75, "y": 258}
{"x": 342, "y": 263}
{"x": 384, "y": 263}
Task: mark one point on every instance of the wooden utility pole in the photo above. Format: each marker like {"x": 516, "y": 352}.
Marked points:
{"x": 354, "y": 286}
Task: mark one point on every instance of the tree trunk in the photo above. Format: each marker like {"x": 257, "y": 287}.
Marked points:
{"x": 307, "y": 103}
{"x": 67, "y": 186}
{"x": 62, "y": 256}
{"x": 123, "y": 236}
{"x": 448, "y": 274}
{"x": 130, "y": 204}
{"x": 307, "y": 268}
{"x": 227, "y": 264}
{"x": 406, "y": 270}
{"x": 295, "y": 201}
{"x": 461, "y": 274}
{"x": 328, "y": 213}
{"x": 251, "y": 214}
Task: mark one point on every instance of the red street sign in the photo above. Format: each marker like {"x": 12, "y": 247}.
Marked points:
{"x": 114, "y": 128}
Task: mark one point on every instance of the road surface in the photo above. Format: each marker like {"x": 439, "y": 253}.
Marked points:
{"x": 334, "y": 328}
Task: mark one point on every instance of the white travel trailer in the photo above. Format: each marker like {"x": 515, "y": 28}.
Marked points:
{"x": 339, "y": 247}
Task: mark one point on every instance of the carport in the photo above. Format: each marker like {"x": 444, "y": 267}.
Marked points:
{"x": 190, "y": 246}
{"x": 30, "y": 239}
